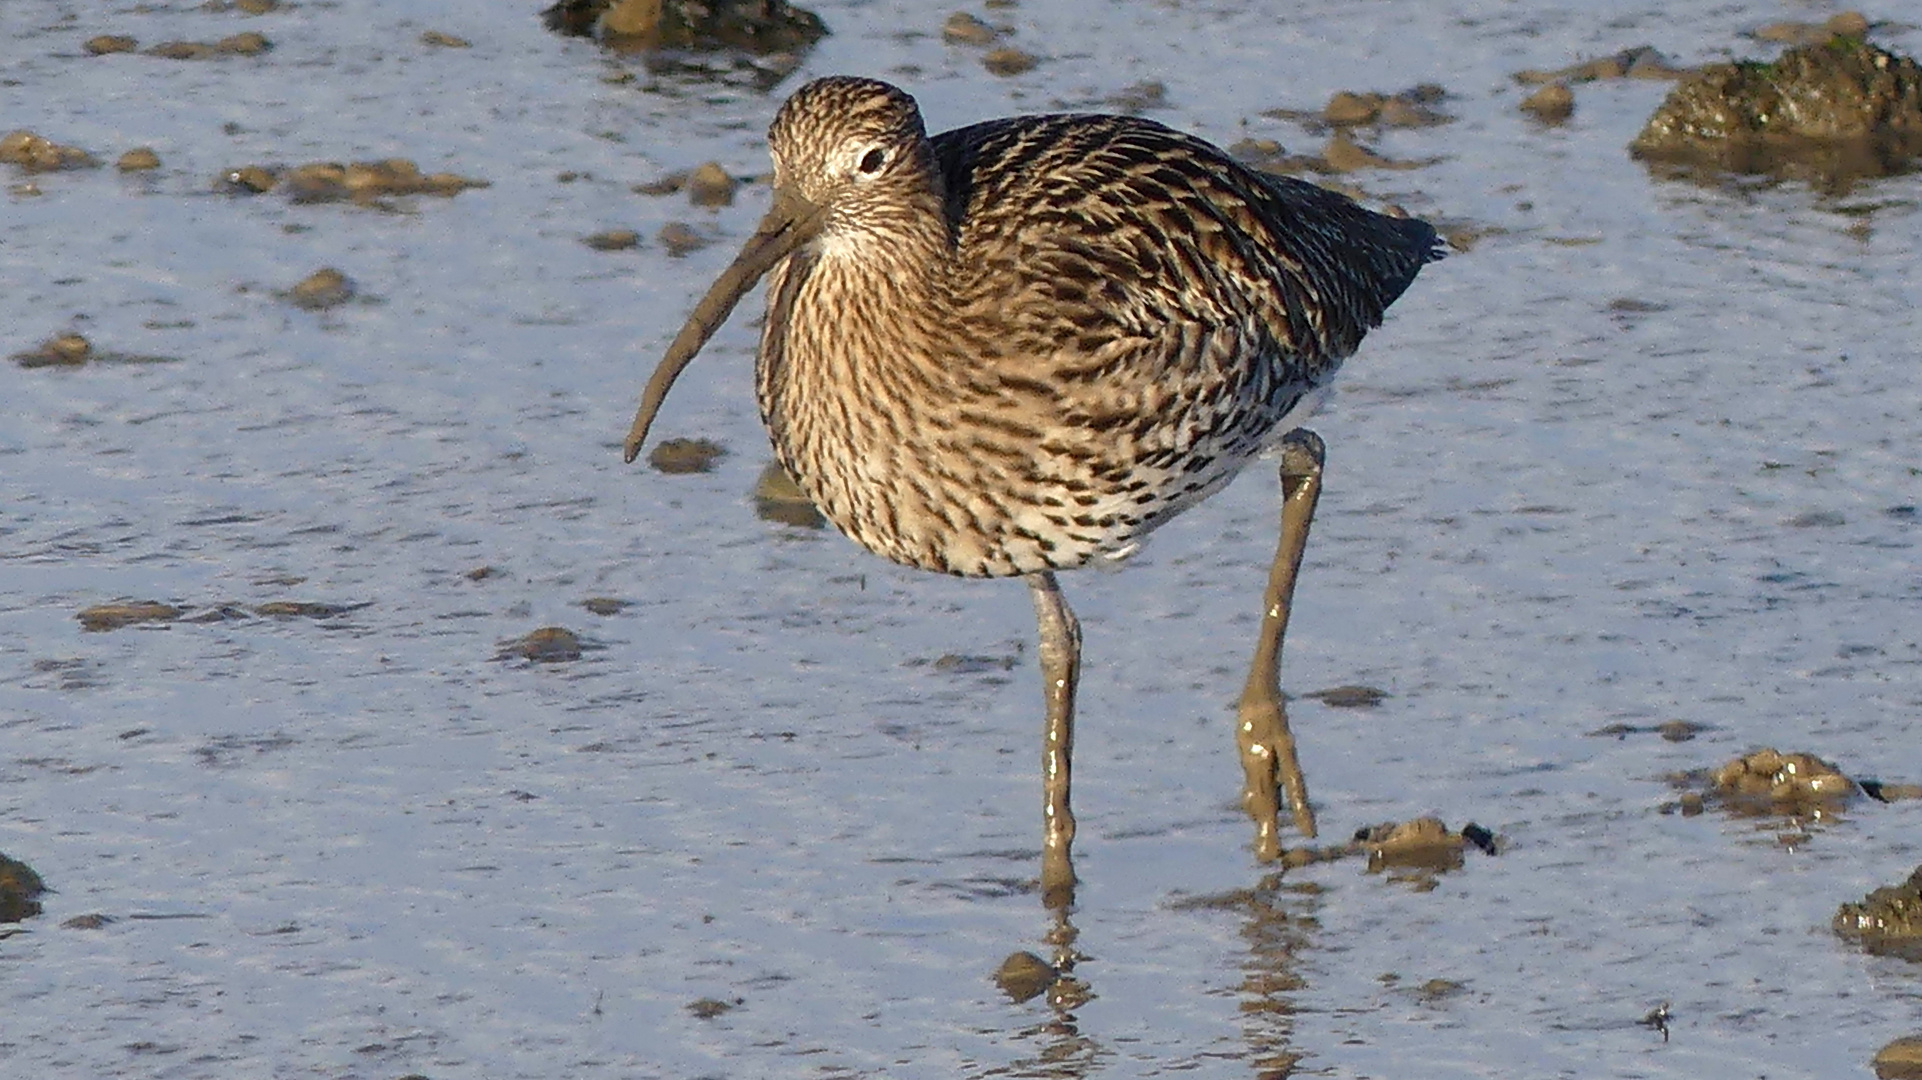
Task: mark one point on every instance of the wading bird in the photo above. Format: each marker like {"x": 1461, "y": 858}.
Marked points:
{"x": 1020, "y": 346}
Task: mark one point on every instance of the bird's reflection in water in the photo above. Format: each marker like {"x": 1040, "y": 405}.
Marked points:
{"x": 1024, "y": 976}
{"x": 1278, "y": 921}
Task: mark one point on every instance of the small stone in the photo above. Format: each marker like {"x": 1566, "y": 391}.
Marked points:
{"x": 777, "y": 498}
{"x": 303, "y": 609}
{"x": 548, "y": 645}
{"x": 1551, "y": 104}
{"x": 1847, "y": 24}
{"x": 444, "y": 41}
{"x": 666, "y": 185}
{"x": 324, "y": 288}
{"x": 36, "y": 153}
{"x": 604, "y": 605}
{"x": 613, "y": 240}
{"x": 249, "y": 43}
{"x": 183, "y": 50}
{"x": 107, "y": 44}
{"x": 1899, "y": 1060}
{"x": 257, "y": 7}
{"x": 249, "y": 180}
{"x": 20, "y": 890}
{"x": 320, "y": 181}
{"x": 1423, "y": 844}
{"x": 61, "y": 350}
{"x": 1023, "y": 976}
{"x": 101, "y": 617}
{"x": 710, "y": 185}
{"x": 1344, "y": 154}
{"x": 138, "y": 159}
{"x": 680, "y": 456}
{"x": 1350, "y": 697}
{"x": 1009, "y": 61}
{"x": 87, "y": 922}
{"x": 1888, "y": 921}
{"x": 709, "y": 1008}
{"x": 965, "y": 29}
{"x": 679, "y": 239}
{"x": 1140, "y": 97}
{"x": 1347, "y": 108}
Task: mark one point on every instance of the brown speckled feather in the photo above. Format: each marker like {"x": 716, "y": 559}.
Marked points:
{"x": 1026, "y": 343}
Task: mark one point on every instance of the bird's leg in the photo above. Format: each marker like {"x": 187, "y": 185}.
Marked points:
{"x": 1261, "y": 720}
{"x": 1060, "y": 670}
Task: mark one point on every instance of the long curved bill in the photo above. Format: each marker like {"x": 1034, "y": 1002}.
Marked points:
{"x": 790, "y": 222}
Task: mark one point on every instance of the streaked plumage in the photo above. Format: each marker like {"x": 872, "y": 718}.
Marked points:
{"x": 1018, "y": 346}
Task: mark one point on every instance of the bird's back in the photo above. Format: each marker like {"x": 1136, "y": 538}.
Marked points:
{"x": 1148, "y": 227}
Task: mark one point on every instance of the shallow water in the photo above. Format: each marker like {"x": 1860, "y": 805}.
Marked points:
{"x": 1646, "y": 452}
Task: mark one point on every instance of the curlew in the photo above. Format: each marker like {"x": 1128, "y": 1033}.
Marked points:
{"x": 1018, "y": 347}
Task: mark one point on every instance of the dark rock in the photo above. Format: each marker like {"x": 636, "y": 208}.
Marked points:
{"x": 1831, "y": 113}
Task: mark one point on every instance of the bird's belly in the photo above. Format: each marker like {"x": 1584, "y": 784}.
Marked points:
{"x": 985, "y": 515}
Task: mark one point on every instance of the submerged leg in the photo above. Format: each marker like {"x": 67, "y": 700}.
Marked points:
{"x": 1060, "y": 670}
{"x": 1261, "y": 721}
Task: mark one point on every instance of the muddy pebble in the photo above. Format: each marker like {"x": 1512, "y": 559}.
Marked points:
{"x": 139, "y": 159}
{"x": 1422, "y": 844}
{"x": 1023, "y": 976}
{"x": 710, "y": 185}
{"x": 60, "y": 350}
{"x": 613, "y": 240}
{"x": 20, "y": 890}
{"x": 548, "y": 645}
{"x": 1411, "y": 108}
{"x": 113, "y": 616}
{"x": 1888, "y": 921}
{"x": 758, "y": 27}
{"x": 1551, "y": 104}
{"x": 778, "y": 499}
{"x": 1899, "y": 1060}
{"x": 1852, "y": 24}
{"x": 481, "y": 573}
{"x": 444, "y": 41}
{"x": 709, "y": 1008}
{"x": 1769, "y": 781}
{"x": 257, "y": 7}
{"x": 1009, "y": 61}
{"x": 604, "y": 605}
{"x": 1639, "y": 62}
{"x": 108, "y": 44}
{"x": 1344, "y": 154}
{"x": 680, "y": 456}
{"x": 368, "y": 181}
{"x": 248, "y": 180}
{"x": 1349, "y": 697}
{"x": 303, "y": 609}
{"x": 92, "y": 921}
{"x": 35, "y": 153}
{"x": 324, "y": 288}
{"x": 965, "y": 29}
{"x": 1346, "y": 107}
{"x": 666, "y": 185}
{"x": 679, "y": 238}
{"x": 249, "y": 43}
{"x": 183, "y": 50}
{"x": 1141, "y": 96}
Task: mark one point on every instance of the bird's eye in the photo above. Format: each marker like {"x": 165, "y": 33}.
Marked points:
{"x": 872, "y": 161}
